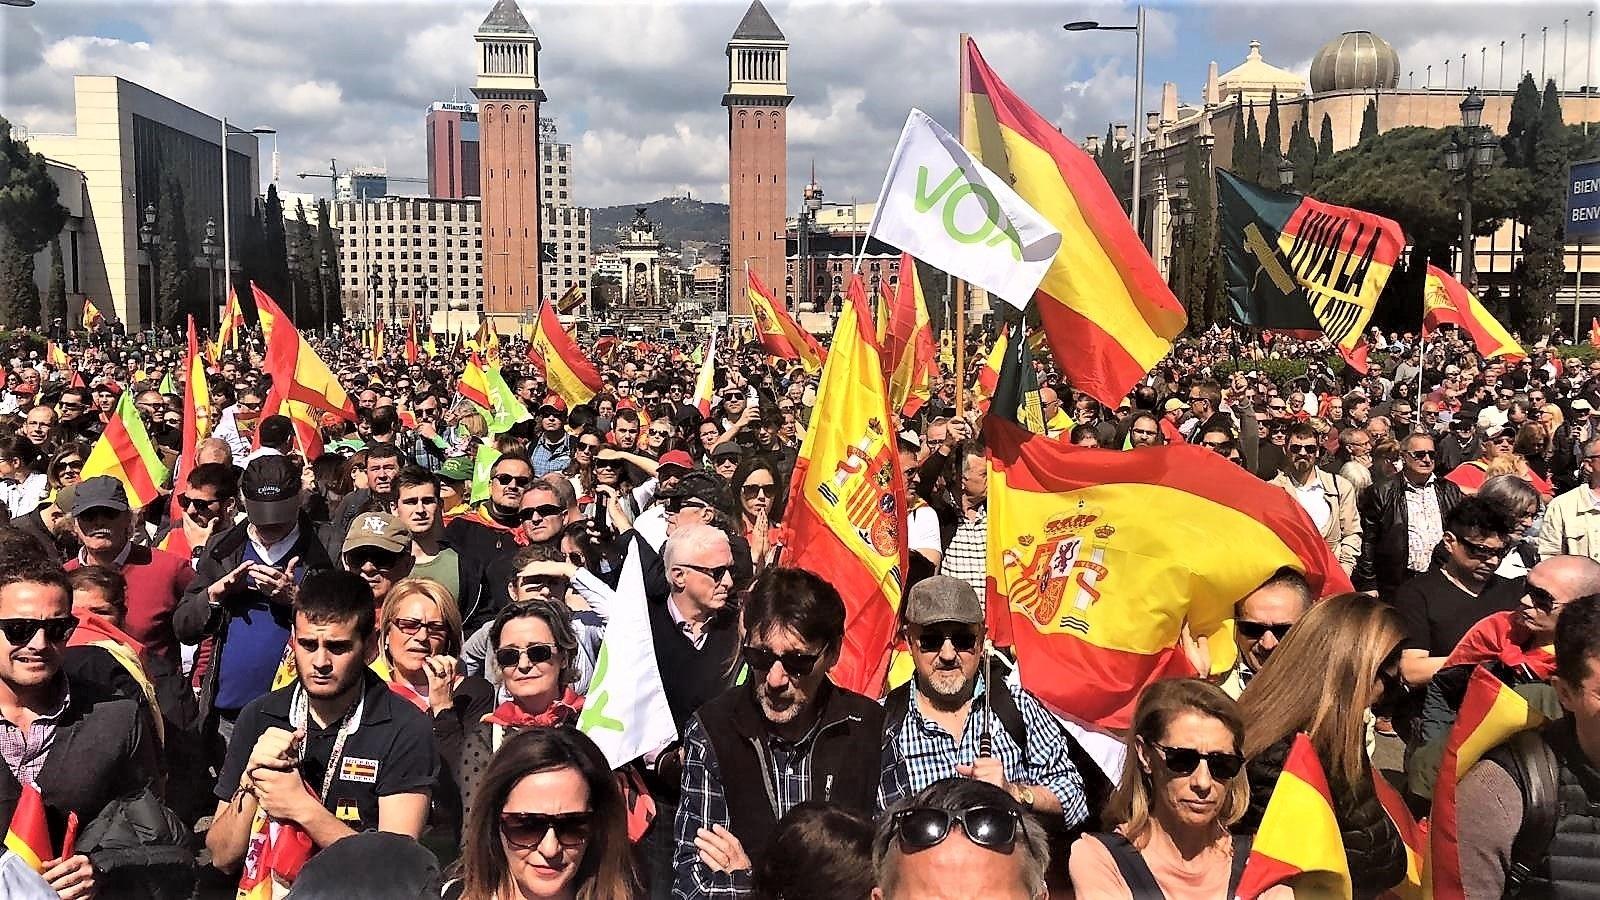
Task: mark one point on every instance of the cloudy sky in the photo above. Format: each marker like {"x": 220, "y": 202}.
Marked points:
{"x": 636, "y": 86}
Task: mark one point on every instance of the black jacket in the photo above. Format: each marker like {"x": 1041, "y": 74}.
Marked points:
{"x": 195, "y": 618}
{"x": 1382, "y": 563}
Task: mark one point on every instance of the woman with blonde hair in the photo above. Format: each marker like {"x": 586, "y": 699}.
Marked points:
{"x": 1502, "y": 454}
{"x": 1181, "y": 787}
{"x": 1339, "y": 660}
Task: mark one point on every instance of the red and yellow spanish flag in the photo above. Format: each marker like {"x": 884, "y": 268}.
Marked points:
{"x": 126, "y": 453}
{"x": 778, "y": 332}
{"x": 28, "y": 835}
{"x": 705, "y": 383}
{"x": 278, "y": 851}
{"x": 1100, "y": 556}
{"x": 196, "y": 414}
{"x": 989, "y": 372}
{"x": 1299, "y": 842}
{"x": 847, "y": 498}
{"x": 567, "y": 371}
{"x": 412, "y": 346}
{"x": 1447, "y": 301}
{"x": 1412, "y": 835}
{"x": 232, "y": 321}
{"x": 1109, "y": 315}
{"x": 303, "y": 387}
{"x": 55, "y": 356}
{"x": 91, "y": 315}
{"x": 908, "y": 350}
{"x": 474, "y": 382}
{"x": 1491, "y": 712}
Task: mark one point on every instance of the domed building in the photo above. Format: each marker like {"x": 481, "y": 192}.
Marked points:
{"x": 1255, "y": 79}
{"x": 1355, "y": 61}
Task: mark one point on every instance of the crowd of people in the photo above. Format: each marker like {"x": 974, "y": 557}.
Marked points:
{"x": 390, "y": 651}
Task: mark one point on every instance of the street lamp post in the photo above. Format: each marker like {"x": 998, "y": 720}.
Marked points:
{"x": 1138, "y": 89}
{"x": 1468, "y": 157}
{"x": 394, "y": 297}
{"x": 327, "y": 300}
{"x": 147, "y": 240}
{"x": 374, "y": 286}
{"x": 209, "y": 249}
{"x": 1285, "y": 173}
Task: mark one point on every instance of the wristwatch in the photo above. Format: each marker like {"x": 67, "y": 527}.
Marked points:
{"x": 1025, "y": 795}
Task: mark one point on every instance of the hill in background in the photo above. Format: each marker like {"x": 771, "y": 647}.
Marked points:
{"x": 677, "y": 219}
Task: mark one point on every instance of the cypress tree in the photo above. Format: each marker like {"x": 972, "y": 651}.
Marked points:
{"x": 1249, "y": 168}
{"x": 274, "y": 274}
{"x": 1523, "y": 127}
{"x": 174, "y": 257}
{"x": 55, "y": 297}
{"x": 327, "y": 245}
{"x": 1369, "y": 121}
{"x": 19, "y": 296}
{"x": 1271, "y": 146}
{"x": 1543, "y": 262}
{"x": 1325, "y": 141}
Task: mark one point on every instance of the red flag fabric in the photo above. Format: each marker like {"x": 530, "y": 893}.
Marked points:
{"x": 567, "y": 371}
{"x": 1447, "y": 301}
{"x": 303, "y": 387}
{"x": 28, "y": 835}
{"x": 1299, "y": 842}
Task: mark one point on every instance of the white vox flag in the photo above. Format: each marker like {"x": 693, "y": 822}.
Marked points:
{"x": 625, "y": 710}
{"x": 943, "y": 207}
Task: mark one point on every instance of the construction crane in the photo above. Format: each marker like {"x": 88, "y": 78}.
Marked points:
{"x": 333, "y": 176}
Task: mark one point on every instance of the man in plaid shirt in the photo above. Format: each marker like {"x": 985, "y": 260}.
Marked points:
{"x": 786, "y": 736}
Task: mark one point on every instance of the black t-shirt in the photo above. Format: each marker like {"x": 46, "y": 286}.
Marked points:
{"x": 1437, "y": 613}
{"x": 391, "y": 752}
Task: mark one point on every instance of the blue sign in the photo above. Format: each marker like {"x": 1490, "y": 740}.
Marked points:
{"x": 1583, "y": 202}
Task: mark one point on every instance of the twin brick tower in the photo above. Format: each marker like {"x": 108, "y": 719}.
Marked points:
{"x": 508, "y": 93}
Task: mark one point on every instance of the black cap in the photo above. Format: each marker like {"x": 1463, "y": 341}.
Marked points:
{"x": 727, "y": 450}
{"x": 698, "y": 484}
{"x": 373, "y": 864}
{"x": 99, "y": 492}
{"x": 270, "y": 489}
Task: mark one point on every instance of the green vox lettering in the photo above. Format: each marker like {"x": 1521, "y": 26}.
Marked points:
{"x": 994, "y": 230}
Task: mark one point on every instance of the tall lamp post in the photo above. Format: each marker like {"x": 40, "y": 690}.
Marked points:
{"x": 1469, "y": 157}
{"x": 147, "y": 240}
{"x": 1138, "y": 88}
{"x": 374, "y": 286}
{"x": 327, "y": 296}
{"x": 394, "y": 297}
{"x": 209, "y": 248}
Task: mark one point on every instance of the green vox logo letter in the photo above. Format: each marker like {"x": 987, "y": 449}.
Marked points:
{"x": 949, "y": 193}
{"x": 594, "y": 715}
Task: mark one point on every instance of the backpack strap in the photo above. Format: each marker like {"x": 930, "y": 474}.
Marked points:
{"x": 895, "y": 706}
{"x": 1004, "y": 707}
{"x": 1241, "y": 855}
{"x": 1130, "y": 863}
{"x": 1530, "y": 762}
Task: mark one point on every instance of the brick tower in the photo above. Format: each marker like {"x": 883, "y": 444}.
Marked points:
{"x": 508, "y": 95}
{"x": 757, "y": 101}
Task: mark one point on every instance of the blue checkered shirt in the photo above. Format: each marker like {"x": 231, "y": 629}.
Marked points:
{"x": 705, "y": 803}
{"x": 931, "y": 753}
{"x": 546, "y": 458}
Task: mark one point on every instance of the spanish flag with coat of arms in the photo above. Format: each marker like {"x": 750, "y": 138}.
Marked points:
{"x": 778, "y": 332}
{"x": 1447, "y": 301}
{"x": 847, "y": 498}
{"x": 1100, "y": 556}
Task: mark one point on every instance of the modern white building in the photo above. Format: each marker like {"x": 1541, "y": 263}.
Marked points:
{"x": 405, "y": 256}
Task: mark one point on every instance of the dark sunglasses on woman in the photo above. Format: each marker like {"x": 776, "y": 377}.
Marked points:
{"x": 525, "y": 829}
{"x": 1184, "y": 760}
{"x": 537, "y": 654}
{"x": 994, "y": 827}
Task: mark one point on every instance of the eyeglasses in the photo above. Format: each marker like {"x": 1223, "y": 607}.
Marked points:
{"x": 542, "y": 511}
{"x": 520, "y": 482}
{"x": 797, "y": 664}
{"x": 246, "y": 404}
{"x": 1479, "y": 551}
{"x": 677, "y": 506}
{"x": 715, "y": 573}
{"x": 197, "y": 503}
{"x": 993, "y": 827}
{"x": 1541, "y": 599}
{"x": 1303, "y": 449}
{"x": 19, "y": 632}
{"x": 1502, "y": 439}
{"x": 411, "y": 626}
{"x": 657, "y": 432}
{"x": 69, "y": 464}
{"x": 1420, "y": 455}
{"x": 537, "y": 654}
{"x": 526, "y": 830}
{"x": 766, "y": 490}
{"x": 587, "y": 448}
{"x": 931, "y": 640}
{"x": 360, "y": 557}
{"x": 1255, "y": 631}
{"x": 1184, "y": 760}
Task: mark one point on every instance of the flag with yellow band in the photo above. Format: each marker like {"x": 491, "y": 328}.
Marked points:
{"x": 778, "y": 332}
{"x": 126, "y": 453}
{"x": 908, "y": 346}
{"x": 1109, "y": 314}
{"x": 474, "y": 383}
{"x": 567, "y": 371}
{"x": 1299, "y": 843}
{"x": 91, "y": 315}
{"x": 1447, "y": 301}
{"x": 28, "y": 835}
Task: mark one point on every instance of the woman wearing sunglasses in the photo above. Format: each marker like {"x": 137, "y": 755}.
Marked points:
{"x": 66, "y": 466}
{"x": 758, "y": 486}
{"x": 1340, "y": 660}
{"x": 1182, "y": 786}
{"x": 532, "y": 661}
{"x": 551, "y": 823}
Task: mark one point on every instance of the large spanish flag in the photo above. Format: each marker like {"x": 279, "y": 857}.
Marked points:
{"x": 303, "y": 387}
{"x": 847, "y": 499}
{"x": 126, "y": 453}
{"x": 778, "y": 332}
{"x": 908, "y": 343}
{"x": 28, "y": 835}
{"x": 1490, "y": 713}
{"x": 567, "y": 371}
{"x": 1109, "y": 315}
{"x": 1102, "y": 555}
{"x": 1299, "y": 842}
{"x": 1447, "y": 301}
{"x": 474, "y": 382}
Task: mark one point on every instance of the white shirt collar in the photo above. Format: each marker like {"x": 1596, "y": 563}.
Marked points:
{"x": 274, "y": 553}
{"x": 122, "y": 558}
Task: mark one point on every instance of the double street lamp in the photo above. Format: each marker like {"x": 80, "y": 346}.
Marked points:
{"x": 1469, "y": 156}
{"x": 1138, "y": 89}
{"x": 147, "y": 241}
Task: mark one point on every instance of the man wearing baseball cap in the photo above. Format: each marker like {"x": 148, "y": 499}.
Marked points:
{"x": 378, "y": 548}
{"x": 941, "y": 717}
{"x": 651, "y": 523}
{"x": 552, "y": 447}
{"x": 243, "y": 595}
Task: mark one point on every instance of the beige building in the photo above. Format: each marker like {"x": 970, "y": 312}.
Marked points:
{"x": 405, "y": 256}
{"x": 563, "y": 226}
{"x": 126, "y": 138}
{"x": 1352, "y": 70}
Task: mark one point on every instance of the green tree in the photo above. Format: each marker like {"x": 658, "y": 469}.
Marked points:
{"x": 1251, "y": 164}
{"x": 1369, "y": 121}
{"x": 1303, "y": 150}
{"x": 174, "y": 256}
{"x": 30, "y": 215}
{"x": 274, "y": 274}
{"x": 1325, "y": 141}
{"x": 328, "y": 248}
{"x": 1524, "y": 124}
{"x": 1543, "y": 263}
{"x": 55, "y": 297}
{"x": 251, "y": 239}
{"x": 1271, "y": 147}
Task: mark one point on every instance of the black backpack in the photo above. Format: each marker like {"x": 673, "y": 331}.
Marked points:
{"x": 1530, "y": 762}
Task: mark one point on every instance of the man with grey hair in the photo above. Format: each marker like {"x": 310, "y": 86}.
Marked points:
{"x": 960, "y": 838}
{"x": 1572, "y": 520}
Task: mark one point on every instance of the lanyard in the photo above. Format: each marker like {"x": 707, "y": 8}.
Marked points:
{"x": 298, "y": 713}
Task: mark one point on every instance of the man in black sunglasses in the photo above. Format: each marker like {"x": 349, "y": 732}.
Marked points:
{"x": 79, "y": 745}
{"x": 785, "y": 736}
{"x": 1402, "y": 519}
{"x": 1260, "y": 620}
{"x": 941, "y": 720}
{"x": 960, "y": 838}
{"x": 1329, "y": 499}
{"x": 492, "y": 531}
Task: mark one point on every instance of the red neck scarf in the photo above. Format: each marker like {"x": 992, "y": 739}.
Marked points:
{"x": 510, "y": 715}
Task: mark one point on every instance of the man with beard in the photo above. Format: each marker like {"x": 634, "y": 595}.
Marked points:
{"x": 1329, "y": 499}
{"x": 939, "y": 720}
{"x": 335, "y": 753}
{"x": 824, "y": 742}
